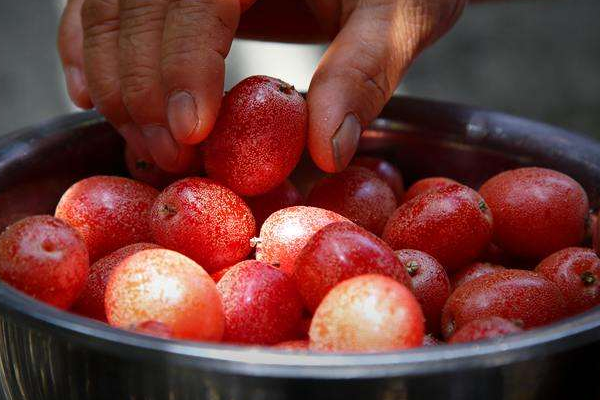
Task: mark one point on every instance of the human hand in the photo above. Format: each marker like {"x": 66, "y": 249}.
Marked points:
{"x": 155, "y": 68}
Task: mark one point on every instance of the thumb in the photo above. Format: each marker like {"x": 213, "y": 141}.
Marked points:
{"x": 362, "y": 67}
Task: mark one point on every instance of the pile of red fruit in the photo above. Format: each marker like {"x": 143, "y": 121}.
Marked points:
{"x": 358, "y": 265}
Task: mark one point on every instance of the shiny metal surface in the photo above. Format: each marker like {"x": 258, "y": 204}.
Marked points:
{"x": 48, "y": 354}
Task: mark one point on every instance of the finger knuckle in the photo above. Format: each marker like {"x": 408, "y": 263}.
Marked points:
{"x": 139, "y": 17}
{"x": 199, "y": 26}
{"x": 98, "y": 22}
{"x": 137, "y": 83}
{"x": 370, "y": 70}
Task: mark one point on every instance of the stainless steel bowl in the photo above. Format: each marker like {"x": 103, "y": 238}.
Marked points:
{"x": 49, "y": 354}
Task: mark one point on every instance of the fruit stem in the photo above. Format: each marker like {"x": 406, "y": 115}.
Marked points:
{"x": 168, "y": 211}
{"x": 588, "y": 278}
{"x": 482, "y": 206}
{"x": 286, "y": 88}
{"x": 412, "y": 267}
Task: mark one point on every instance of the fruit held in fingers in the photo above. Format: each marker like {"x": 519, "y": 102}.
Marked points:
{"x": 259, "y": 136}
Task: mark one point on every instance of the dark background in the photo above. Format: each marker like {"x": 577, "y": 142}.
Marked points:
{"x": 539, "y": 59}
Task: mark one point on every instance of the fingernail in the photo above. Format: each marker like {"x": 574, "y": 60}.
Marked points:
{"x": 182, "y": 115}
{"x": 345, "y": 141}
{"x": 161, "y": 145}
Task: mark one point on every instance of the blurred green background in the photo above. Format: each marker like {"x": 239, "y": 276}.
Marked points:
{"x": 539, "y": 59}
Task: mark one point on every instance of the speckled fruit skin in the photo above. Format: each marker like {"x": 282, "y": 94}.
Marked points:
{"x": 486, "y": 328}
{"x": 430, "y": 284}
{"x": 367, "y": 313}
{"x": 283, "y": 196}
{"x": 204, "y": 221}
{"x": 523, "y": 297}
{"x": 536, "y": 211}
{"x": 452, "y": 224}
{"x": 110, "y": 212}
{"x": 147, "y": 172}
{"x": 473, "y": 271}
{"x": 45, "y": 258}
{"x": 167, "y": 287}
{"x": 285, "y": 232}
{"x": 261, "y": 304}
{"x": 576, "y": 272}
{"x": 90, "y": 302}
{"x": 292, "y": 345}
{"x": 340, "y": 251}
{"x": 385, "y": 171}
{"x": 357, "y": 194}
{"x": 259, "y": 136}
{"x": 154, "y": 328}
{"x": 427, "y": 185}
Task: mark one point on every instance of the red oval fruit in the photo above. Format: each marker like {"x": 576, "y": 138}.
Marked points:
{"x": 430, "y": 284}
{"x": 452, "y": 224}
{"x": 427, "y": 185}
{"x": 146, "y": 171}
{"x": 357, "y": 194}
{"x": 523, "y": 297}
{"x": 154, "y": 328}
{"x": 45, "y": 258}
{"x": 486, "y": 328}
{"x": 293, "y": 345}
{"x": 90, "y": 302}
{"x": 386, "y": 171}
{"x": 283, "y": 196}
{"x": 259, "y": 136}
{"x": 576, "y": 272}
{"x": 473, "y": 271}
{"x": 261, "y": 304}
{"x": 286, "y": 231}
{"x": 537, "y": 211}
{"x": 340, "y": 251}
{"x": 204, "y": 221}
{"x": 110, "y": 212}
{"x": 367, "y": 313}
{"x": 167, "y": 287}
